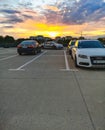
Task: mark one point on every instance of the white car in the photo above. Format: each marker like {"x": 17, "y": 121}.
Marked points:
{"x": 88, "y": 53}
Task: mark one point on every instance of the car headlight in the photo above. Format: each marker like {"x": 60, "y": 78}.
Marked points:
{"x": 82, "y": 56}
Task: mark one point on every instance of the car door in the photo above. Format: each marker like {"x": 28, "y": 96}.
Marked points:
{"x": 47, "y": 45}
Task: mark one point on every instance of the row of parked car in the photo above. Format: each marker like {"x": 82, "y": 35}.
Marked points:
{"x": 87, "y": 53}
{"x": 33, "y": 47}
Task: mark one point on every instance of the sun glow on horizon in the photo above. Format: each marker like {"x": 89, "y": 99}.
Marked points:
{"x": 33, "y": 28}
{"x": 53, "y": 34}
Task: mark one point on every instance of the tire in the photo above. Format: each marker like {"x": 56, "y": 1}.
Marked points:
{"x": 69, "y": 52}
{"x": 19, "y": 53}
{"x": 71, "y": 56}
{"x": 39, "y": 50}
{"x": 54, "y": 47}
{"x": 35, "y": 52}
{"x": 76, "y": 62}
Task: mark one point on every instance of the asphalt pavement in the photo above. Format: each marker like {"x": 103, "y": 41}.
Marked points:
{"x": 47, "y": 92}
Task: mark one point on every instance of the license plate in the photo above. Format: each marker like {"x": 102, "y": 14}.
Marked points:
{"x": 24, "y": 46}
{"x": 99, "y": 61}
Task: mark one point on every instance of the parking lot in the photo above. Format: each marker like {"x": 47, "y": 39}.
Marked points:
{"x": 47, "y": 92}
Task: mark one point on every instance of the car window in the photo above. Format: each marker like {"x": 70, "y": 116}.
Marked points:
{"x": 90, "y": 44}
{"x": 27, "y": 42}
{"x": 72, "y": 43}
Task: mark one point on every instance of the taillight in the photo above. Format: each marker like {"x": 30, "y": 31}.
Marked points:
{"x": 31, "y": 46}
{"x": 19, "y": 46}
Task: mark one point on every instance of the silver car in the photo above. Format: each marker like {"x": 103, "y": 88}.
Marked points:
{"x": 52, "y": 45}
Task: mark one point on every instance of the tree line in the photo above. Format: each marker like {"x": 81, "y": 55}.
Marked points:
{"x": 9, "y": 41}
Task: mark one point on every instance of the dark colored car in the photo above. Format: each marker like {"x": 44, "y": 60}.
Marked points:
{"x": 28, "y": 47}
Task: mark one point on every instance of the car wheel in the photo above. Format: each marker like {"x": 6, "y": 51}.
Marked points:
{"x": 71, "y": 55}
{"x": 39, "y": 50}
{"x": 20, "y": 53}
{"x": 35, "y": 52}
{"x": 76, "y": 65}
{"x": 69, "y": 52}
{"x": 54, "y": 47}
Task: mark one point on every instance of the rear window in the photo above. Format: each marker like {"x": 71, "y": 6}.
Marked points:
{"x": 27, "y": 42}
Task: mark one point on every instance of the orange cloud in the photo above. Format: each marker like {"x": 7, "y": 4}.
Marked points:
{"x": 53, "y": 8}
{"x": 33, "y": 28}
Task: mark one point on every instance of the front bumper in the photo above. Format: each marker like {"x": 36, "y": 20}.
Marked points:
{"x": 94, "y": 62}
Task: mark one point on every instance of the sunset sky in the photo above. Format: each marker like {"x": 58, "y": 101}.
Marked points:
{"x": 24, "y": 18}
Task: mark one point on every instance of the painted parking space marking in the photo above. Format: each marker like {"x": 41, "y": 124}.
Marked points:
{"x": 27, "y": 63}
{"x": 74, "y": 70}
{"x": 66, "y": 61}
{"x": 9, "y": 57}
{"x": 67, "y": 67}
{"x": 7, "y": 52}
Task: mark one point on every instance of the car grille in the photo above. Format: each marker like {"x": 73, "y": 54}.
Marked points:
{"x": 97, "y": 60}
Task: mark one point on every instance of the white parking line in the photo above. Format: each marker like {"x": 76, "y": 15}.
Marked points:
{"x": 7, "y": 52}
{"x": 8, "y": 57}
{"x": 3, "y": 53}
{"x": 21, "y": 67}
{"x": 66, "y": 61}
{"x": 67, "y": 64}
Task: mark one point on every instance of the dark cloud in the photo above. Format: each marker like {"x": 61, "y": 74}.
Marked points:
{"x": 25, "y": 5}
{"x": 9, "y": 11}
{"x": 14, "y": 16}
{"x": 69, "y": 12}
{"x": 73, "y": 12}
{"x": 15, "y": 19}
{"x": 51, "y": 16}
{"x": 8, "y": 26}
{"x": 12, "y": 19}
{"x": 11, "y": 16}
{"x": 84, "y": 11}
{"x": 27, "y": 16}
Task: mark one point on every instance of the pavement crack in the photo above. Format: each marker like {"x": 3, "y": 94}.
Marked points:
{"x": 84, "y": 100}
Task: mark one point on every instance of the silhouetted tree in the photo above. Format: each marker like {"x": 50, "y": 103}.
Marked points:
{"x": 9, "y": 41}
{"x": 81, "y": 38}
{"x": 102, "y": 40}
{"x": 19, "y": 41}
{"x": 1, "y": 41}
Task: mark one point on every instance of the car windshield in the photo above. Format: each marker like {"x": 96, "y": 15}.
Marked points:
{"x": 90, "y": 44}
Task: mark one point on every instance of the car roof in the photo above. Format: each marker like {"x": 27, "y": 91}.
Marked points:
{"x": 29, "y": 41}
{"x": 87, "y": 40}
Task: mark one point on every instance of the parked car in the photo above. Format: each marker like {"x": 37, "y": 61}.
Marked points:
{"x": 70, "y": 45}
{"x": 52, "y": 45}
{"x": 88, "y": 53}
{"x": 29, "y": 46}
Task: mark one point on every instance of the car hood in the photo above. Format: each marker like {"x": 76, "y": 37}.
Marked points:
{"x": 92, "y": 51}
